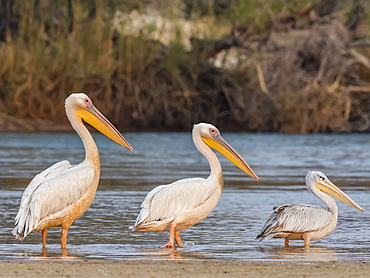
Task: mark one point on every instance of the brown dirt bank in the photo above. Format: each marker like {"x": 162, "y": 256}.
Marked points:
{"x": 179, "y": 268}
{"x": 300, "y": 67}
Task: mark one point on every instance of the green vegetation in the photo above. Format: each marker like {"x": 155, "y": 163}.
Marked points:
{"x": 160, "y": 67}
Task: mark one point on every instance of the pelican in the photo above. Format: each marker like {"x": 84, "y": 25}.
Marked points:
{"x": 181, "y": 204}
{"x": 63, "y": 192}
{"x": 307, "y": 222}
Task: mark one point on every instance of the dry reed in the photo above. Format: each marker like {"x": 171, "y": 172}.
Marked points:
{"x": 141, "y": 84}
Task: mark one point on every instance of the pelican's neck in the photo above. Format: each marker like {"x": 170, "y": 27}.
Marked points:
{"x": 327, "y": 200}
{"x": 91, "y": 150}
{"x": 214, "y": 163}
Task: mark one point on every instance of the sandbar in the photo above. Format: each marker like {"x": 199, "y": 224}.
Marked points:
{"x": 180, "y": 268}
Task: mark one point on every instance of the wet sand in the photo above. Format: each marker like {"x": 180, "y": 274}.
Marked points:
{"x": 180, "y": 268}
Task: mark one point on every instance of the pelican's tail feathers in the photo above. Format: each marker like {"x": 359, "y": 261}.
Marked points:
{"x": 264, "y": 236}
{"x": 259, "y": 237}
{"x": 141, "y": 218}
{"x": 23, "y": 225}
{"x": 18, "y": 233}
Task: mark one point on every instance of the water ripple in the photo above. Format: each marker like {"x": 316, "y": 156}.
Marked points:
{"x": 281, "y": 161}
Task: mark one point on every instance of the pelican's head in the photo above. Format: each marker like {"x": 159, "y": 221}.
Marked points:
{"x": 82, "y": 106}
{"x": 318, "y": 180}
{"x": 211, "y": 136}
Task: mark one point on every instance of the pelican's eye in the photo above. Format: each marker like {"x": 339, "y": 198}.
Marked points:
{"x": 213, "y": 132}
{"x": 87, "y": 102}
{"x": 322, "y": 178}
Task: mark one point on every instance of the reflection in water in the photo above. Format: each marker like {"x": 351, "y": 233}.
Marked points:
{"x": 168, "y": 253}
{"x": 299, "y": 253}
{"x": 228, "y": 233}
{"x": 35, "y": 252}
{"x": 63, "y": 253}
{"x": 171, "y": 253}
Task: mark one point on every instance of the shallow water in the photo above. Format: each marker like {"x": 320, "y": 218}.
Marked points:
{"x": 281, "y": 161}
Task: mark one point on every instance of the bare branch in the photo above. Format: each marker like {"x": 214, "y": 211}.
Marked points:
{"x": 362, "y": 43}
{"x": 362, "y": 59}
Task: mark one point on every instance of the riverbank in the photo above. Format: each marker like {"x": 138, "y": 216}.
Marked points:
{"x": 181, "y": 268}
{"x": 243, "y": 66}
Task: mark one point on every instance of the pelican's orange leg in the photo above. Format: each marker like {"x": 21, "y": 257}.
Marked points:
{"x": 64, "y": 252}
{"x": 63, "y": 238}
{"x": 306, "y": 238}
{"x": 178, "y": 239}
{"x": 44, "y": 233}
{"x": 286, "y": 242}
{"x": 171, "y": 242}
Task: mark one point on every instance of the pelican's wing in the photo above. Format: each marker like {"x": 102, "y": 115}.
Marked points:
{"x": 167, "y": 201}
{"x": 50, "y": 192}
{"x": 295, "y": 219}
{"x": 45, "y": 175}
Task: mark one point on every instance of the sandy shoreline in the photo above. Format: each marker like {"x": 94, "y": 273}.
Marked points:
{"x": 180, "y": 268}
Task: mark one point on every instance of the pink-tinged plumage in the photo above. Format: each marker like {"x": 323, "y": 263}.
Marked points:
{"x": 63, "y": 192}
{"x": 180, "y": 205}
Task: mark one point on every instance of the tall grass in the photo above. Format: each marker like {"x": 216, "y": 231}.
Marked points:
{"x": 61, "y": 48}
{"x": 141, "y": 80}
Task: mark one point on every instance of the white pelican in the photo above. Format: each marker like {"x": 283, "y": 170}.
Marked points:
{"x": 307, "y": 222}
{"x": 63, "y": 192}
{"x": 180, "y": 205}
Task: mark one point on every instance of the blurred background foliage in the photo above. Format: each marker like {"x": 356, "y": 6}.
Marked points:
{"x": 244, "y": 65}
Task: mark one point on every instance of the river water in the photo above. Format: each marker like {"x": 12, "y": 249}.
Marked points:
{"x": 281, "y": 161}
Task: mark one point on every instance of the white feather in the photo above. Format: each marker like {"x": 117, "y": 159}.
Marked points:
{"x": 184, "y": 203}
{"x": 296, "y": 219}
{"x": 307, "y": 222}
{"x": 49, "y": 173}
{"x": 166, "y": 201}
{"x": 50, "y": 192}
